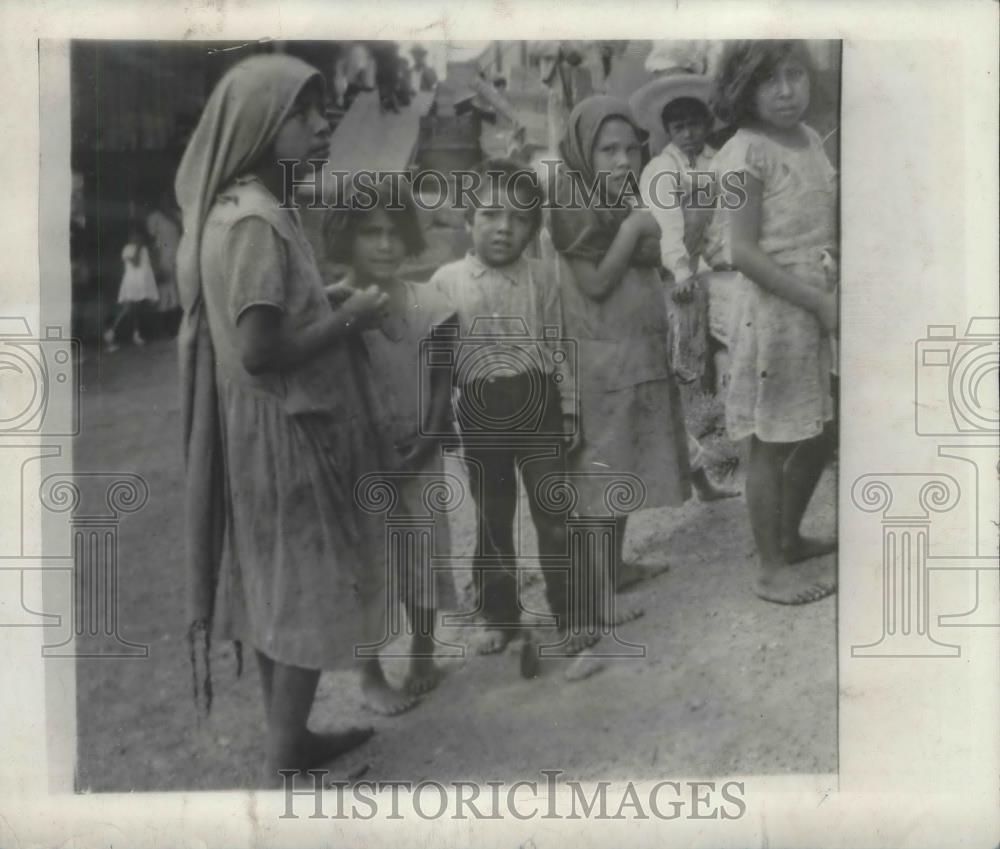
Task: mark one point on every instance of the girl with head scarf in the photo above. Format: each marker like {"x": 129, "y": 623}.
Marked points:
{"x": 608, "y": 269}
{"x": 275, "y": 419}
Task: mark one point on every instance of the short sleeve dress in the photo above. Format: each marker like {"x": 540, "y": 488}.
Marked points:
{"x": 296, "y": 580}
{"x": 781, "y": 360}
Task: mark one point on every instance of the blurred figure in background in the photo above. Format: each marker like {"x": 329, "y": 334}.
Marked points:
{"x": 164, "y": 227}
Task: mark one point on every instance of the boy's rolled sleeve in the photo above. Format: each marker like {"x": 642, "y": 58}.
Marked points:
{"x": 660, "y": 189}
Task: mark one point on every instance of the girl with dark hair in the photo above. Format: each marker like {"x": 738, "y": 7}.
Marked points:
{"x": 374, "y": 243}
{"x": 781, "y": 356}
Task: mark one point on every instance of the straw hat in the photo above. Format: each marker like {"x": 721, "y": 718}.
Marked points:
{"x": 649, "y": 101}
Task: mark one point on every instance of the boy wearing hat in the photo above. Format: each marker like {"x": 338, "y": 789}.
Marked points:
{"x": 678, "y": 187}
{"x": 676, "y": 182}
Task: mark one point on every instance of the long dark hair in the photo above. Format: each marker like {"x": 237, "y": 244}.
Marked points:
{"x": 341, "y": 225}
{"x": 745, "y": 65}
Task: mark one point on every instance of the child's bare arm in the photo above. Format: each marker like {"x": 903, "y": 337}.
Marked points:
{"x": 764, "y": 271}
{"x": 266, "y": 344}
{"x": 598, "y": 282}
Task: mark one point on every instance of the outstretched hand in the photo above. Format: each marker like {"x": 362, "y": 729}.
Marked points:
{"x": 363, "y": 309}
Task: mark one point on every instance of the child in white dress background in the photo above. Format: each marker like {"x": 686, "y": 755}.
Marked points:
{"x": 137, "y": 289}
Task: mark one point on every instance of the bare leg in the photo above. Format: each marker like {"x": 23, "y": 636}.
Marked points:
{"x": 619, "y": 609}
{"x": 266, "y": 667}
{"x": 124, "y": 312}
{"x": 423, "y": 674}
{"x": 802, "y": 473}
{"x": 776, "y": 580}
{"x": 290, "y": 745}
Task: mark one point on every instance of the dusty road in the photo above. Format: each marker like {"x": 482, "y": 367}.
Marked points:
{"x": 729, "y": 683}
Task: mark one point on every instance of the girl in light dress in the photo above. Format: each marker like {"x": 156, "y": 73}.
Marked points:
{"x": 137, "y": 289}
{"x": 780, "y": 374}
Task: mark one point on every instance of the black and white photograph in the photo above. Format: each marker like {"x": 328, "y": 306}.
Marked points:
{"x": 507, "y": 396}
{"x": 501, "y": 424}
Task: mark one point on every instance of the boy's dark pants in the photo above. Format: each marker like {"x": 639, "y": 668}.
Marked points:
{"x": 493, "y": 451}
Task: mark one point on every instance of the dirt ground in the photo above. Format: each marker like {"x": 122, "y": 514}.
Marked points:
{"x": 728, "y": 684}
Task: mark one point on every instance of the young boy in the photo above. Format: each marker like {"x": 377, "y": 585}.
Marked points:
{"x": 674, "y": 185}
{"x": 515, "y": 404}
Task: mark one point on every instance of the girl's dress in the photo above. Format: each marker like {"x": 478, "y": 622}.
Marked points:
{"x": 138, "y": 282}
{"x": 631, "y": 419}
{"x": 401, "y": 385}
{"x": 296, "y": 577}
{"x": 779, "y": 383}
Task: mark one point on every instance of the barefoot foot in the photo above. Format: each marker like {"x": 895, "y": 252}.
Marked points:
{"x": 628, "y": 573}
{"x": 806, "y": 548}
{"x": 787, "y": 585}
{"x": 313, "y": 750}
{"x": 383, "y": 699}
{"x": 583, "y": 666}
{"x": 492, "y": 640}
{"x": 708, "y": 491}
{"x": 423, "y": 676}
{"x": 575, "y": 642}
{"x": 318, "y": 749}
{"x": 622, "y": 610}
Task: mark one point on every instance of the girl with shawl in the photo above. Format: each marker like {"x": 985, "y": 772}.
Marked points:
{"x": 275, "y": 418}
{"x": 608, "y": 268}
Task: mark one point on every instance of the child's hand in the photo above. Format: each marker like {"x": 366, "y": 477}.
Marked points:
{"x": 827, "y": 314}
{"x": 683, "y": 291}
{"x": 337, "y": 293}
{"x": 571, "y": 432}
{"x": 364, "y": 309}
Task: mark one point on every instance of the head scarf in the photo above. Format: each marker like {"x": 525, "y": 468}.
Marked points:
{"x": 587, "y": 233}
{"x": 240, "y": 120}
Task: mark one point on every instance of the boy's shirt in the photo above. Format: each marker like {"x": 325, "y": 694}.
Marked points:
{"x": 669, "y": 214}
{"x": 511, "y": 300}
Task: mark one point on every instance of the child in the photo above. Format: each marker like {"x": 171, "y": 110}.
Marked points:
{"x": 276, "y": 429}
{"x": 667, "y": 186}
{"x": 138, "y": 287}
{"x": 608, "y": 264}
{"x": 164, "y": 227}
{"x": 779, "y": 391}
{"x": 374, "y": 242}
{"x": 495, "y": 292}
